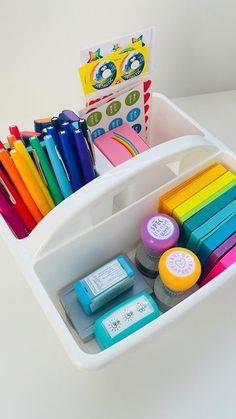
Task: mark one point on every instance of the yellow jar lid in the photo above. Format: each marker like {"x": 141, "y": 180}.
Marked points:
{"x": 179, "y": 269}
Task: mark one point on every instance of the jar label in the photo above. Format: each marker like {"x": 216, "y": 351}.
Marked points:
{"x": 161, "y": 228}
{"x": 180, "y": 263}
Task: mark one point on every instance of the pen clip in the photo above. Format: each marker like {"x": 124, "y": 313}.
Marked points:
{"x": 89, "y": 143}
{"x": 37, "y": 162}
{"x": 91, "y": 146}
{"x": 62, "y": 162}
{"x": 11, "y": 197}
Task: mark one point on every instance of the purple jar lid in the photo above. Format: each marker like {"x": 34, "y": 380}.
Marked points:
{"x": 159, "y": 232}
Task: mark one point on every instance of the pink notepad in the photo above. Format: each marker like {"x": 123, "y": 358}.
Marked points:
{"x": 223, "y": 263}
{"x": 121, "y": 144}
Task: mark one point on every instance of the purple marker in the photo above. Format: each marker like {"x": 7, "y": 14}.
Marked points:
{"x": 159, "y": 232}
{"x": 86, "y": 163}
{"x": 11, "y": 217}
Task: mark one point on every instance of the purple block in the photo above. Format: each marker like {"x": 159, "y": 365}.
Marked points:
{"x": 217, "y": 254}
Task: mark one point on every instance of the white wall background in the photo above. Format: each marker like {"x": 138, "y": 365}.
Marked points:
{"x": 40, "y": 41}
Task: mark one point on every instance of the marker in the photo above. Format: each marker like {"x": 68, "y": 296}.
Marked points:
{"x": 84, "y": 156}
{"x": 58, "y": 166}
{"x": 19, "y": 146}
{"x": 25, "y": 135}
{"x": 83, "y": 126}
{"x": 11, "y": 217}
{"x": 41, "y": 123}
{"x": 15, "y": 131}
{"x": 56, "y": 123}
{"x": 1, "y": 145}
{"x": 11, "y": 140}
{"x": 17, "y": 202}
{"x": 7, "y": 147}
{"x": 70, "y": 116}
{"x": 53, "y": 132}
{"x": 30, "y": 182}
{"x": 47, "y": 171}
{"x": 76, "y": 178}
{"x": 17, "y": 181}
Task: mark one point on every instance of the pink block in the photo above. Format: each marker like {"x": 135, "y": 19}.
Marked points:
{"x": 120, "y": 144}
{"x": 223, "y": 264}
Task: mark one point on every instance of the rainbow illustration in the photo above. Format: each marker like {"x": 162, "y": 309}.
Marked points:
{"x": 126, "y": 143}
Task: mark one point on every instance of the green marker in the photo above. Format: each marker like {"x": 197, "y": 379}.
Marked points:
{"x": 45, "y": 169}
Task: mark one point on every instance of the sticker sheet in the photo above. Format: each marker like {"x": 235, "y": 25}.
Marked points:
{"x": 146, "y": 36}
{"x": 115, "y": 110}
{"x": 116, "y": 68}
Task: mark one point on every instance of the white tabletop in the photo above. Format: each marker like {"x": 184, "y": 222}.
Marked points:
{"x": 38, "y": 380}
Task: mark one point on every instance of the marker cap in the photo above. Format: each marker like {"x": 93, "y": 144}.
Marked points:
{"x": 159, "y": 232}
{"x": 179, "y": 269}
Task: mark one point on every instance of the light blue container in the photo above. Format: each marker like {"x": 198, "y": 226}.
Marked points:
{"x": 104, "y": 284}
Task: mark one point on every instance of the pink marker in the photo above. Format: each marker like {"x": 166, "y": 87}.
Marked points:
{"x": 11, "y": 217}
{"x": 223, "y": 264}
{"x": 15, "y": 131}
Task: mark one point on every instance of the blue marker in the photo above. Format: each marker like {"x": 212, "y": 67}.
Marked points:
{"x": 76, "y": 178}
{"x": 84, "y": 156}
{"x": 58, "y": 166}
{"x": 53, "y": 132}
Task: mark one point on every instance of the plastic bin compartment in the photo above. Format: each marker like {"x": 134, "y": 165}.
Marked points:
{"x": 117, "y": 190}
{"x": 91, "y": 249}
{"x": 167, "y": 122}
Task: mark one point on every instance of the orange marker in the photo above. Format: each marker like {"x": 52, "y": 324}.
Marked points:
{"x": 17, "y": 181}
{"x": 11, "y": 139}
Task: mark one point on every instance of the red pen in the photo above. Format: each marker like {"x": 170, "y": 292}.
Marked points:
{"x": 17, "y": 202}
{"x": 1, "y": 145}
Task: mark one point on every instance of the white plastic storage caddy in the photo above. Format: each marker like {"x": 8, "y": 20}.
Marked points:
{"x": 103, "y": 219}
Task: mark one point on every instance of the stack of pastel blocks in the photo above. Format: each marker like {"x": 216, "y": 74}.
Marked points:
{"x": 205, "y": 209}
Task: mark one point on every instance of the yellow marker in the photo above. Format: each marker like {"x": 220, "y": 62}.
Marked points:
{"x": 19, "y": 146}
{"x": 30, "y": 182}
{"x": 185, "y": 190}
{"x": 198, "y": 201}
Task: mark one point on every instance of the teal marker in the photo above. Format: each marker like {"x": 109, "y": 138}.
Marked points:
{"x": 46, "y": 170}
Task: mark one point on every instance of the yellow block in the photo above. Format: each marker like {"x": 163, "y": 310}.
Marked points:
{"x": 189, "y": 206}
{"x": 185, "y": 190}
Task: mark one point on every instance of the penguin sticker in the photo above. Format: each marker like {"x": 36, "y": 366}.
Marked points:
{"x": 103, "y": 75}
{"x": 133, "y": 65}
